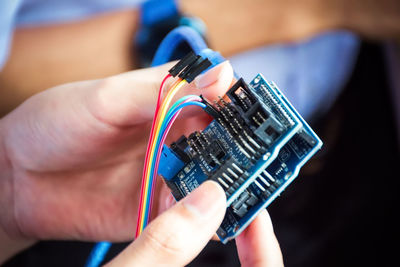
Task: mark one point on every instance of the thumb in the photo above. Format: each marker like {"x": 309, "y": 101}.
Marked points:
{"x": 177, "y": 236}
{"x": 130, "y": 98}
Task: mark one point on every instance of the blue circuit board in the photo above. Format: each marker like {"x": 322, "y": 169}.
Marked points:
{"x": 254, "y": 148}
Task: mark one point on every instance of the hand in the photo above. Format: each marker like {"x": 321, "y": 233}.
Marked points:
{"x": 74, "y": 155}
{"x": 178, "y": 235}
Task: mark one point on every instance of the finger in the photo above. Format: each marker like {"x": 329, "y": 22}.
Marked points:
{"x": 165, "y": 199}
{"x": 257, "y": 245}
{"x": 130, "y": 98}
{"x": 178, "y": 235}
{"x": 94, "y": 112}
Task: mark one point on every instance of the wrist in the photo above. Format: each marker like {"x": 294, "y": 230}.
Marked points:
{"x": 10, "y": 243}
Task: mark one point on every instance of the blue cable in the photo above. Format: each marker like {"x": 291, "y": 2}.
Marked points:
{"x": 174, "y": 38}
{"x": 98, "y": 254}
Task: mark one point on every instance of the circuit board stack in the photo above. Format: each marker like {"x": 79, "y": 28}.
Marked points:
{"x": 254, "y": 148}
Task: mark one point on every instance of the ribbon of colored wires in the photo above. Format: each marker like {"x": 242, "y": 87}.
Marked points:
{"x": 145, "y": 195}
{"x": 150, "y": 139}
{"x": 155, "y": 116}
{"x": 171, "y": 116}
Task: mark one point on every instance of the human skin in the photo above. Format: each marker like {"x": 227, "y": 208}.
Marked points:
{"x": 71, "y": 156}
{"x": 70, "y": 160}
{"x": 177, "y": 236}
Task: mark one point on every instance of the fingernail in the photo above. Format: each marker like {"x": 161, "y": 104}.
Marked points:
{"x": 212, "y": 75}
{"x": 206, "y": 199}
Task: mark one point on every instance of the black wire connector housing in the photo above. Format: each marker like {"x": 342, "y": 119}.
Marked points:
{"x": 189, "y": 67}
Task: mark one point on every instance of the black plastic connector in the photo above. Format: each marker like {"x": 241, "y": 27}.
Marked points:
{"x": 183, "y": 63}
{"x": 192, "y": 74}
{"x": 210, "y": 109}
{"x": 179, "y": 148}
{"x": 189, "y": 67}
{"x": 241, "y": 95}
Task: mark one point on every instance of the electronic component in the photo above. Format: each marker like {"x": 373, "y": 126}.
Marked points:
{"x": 254, "y": 148}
